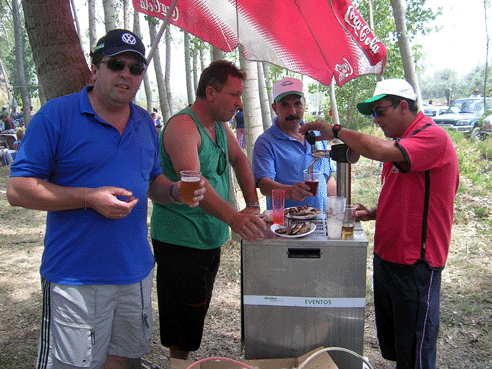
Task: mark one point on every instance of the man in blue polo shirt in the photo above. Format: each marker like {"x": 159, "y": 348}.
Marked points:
{"x": 281, "y": 153}
{"x": 90, "y": 160}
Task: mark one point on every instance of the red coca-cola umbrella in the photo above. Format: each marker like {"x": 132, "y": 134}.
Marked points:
{"x": 318, "y": 38}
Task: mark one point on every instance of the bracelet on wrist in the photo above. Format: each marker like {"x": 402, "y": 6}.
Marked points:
{"x": 171, "y": 194}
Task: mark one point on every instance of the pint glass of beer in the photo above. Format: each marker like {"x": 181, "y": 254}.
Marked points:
{"x": 190, "y": 181}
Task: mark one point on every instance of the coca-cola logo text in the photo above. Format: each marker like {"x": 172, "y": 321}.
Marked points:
{"x": 362, "y": 30}
{"x": 156, "y": 6}
{"x": 344, "y": 70}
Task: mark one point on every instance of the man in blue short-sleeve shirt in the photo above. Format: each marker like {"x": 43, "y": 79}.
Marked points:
{"x": 90, "y": 160}
{"x": 281, "y": 153}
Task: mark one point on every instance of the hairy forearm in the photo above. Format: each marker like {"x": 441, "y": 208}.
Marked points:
{"x": 159, "y": 190}
{"x": 37, "y": 194}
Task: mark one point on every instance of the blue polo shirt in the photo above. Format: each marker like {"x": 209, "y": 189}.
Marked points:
{"x": 283, "y": 159}
{"x": 67, "y": 144}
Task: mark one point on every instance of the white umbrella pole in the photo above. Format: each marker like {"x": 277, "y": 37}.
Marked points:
{"x": 161, "y": 31}
{"x": 333, "y": 103}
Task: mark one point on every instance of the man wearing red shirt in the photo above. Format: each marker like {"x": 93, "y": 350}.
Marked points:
{"x": 413, "y": 219}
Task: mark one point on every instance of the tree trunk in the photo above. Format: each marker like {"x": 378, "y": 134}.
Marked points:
{"x": 92, "y": 25}
{"x": 167, "y": 75}
{"x": 217, "y": 54}
{"x": 265, "y": 108}
{"x": 76, "y": 20}
{"x": 159, "y": 76}
{"x": 189, "y": 80}
{"x": 203, "y": 58}
{"x": 251, "y": 104}
{"x": 485, "y": 3}
{"x": 126, "y": 14}
{"x": 146, "y": 81}
{"x": 269, "y": 86}
{"x": 7, "y": 87}
{"x": 405, "y": 48}
{"x": 371, "y": 25}
{"x": 60, "y": 62}
{"x": 109, "y": 16}
{"x": 42, "y": 95}
{"x": 196, "y": 75}
{"x": 19, "y": 62}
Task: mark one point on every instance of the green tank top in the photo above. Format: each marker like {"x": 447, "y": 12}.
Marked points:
{"x": 178, "y": 224}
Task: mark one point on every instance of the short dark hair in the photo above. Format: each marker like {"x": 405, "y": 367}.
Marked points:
{"x": 395, "y": 100}
{"x": 96, "y": 58}
{"x": 216, "y": 75}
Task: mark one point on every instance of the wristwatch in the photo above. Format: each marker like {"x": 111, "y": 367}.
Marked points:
{"x": 336, "y": 128}
{"x": 252, "y": 204}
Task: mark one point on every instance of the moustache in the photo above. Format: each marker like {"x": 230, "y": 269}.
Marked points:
{"x": 293, "y": 117}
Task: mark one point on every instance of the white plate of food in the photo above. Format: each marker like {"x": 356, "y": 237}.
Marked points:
{"x": 285, "y": 231}
{"x": 302, "y": 212}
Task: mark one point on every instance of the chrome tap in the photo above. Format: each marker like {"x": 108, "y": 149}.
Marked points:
{"x": 316, "y": 154}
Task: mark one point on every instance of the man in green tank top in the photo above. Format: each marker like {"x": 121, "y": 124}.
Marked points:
{"x": 187, "y": 241}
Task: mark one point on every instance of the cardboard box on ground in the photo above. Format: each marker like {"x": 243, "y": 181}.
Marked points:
{"x": 320, "y": 361}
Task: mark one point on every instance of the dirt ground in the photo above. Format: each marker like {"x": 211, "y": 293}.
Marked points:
{"x": 466, "y": 304}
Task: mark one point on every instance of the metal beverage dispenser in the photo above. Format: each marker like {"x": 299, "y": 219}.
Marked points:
{"x": 344, "y": 156}
{"x": 298, "y": 294}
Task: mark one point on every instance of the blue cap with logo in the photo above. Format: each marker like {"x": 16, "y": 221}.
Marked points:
{"x": 118, "y": 41}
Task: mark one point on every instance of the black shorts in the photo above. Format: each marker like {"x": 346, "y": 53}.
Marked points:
{"x": 185, "y": 281}
{"x": 406, "y": 301}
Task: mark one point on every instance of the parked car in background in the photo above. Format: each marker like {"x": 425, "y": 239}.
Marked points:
{"x": 434, "y": 110}
{"x": 463, "y": 115}
{"x": 485, "y": 131}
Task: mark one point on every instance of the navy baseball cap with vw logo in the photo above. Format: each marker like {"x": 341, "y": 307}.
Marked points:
{"x": 118, "y": 41}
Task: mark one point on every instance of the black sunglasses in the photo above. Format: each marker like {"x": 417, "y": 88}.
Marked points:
{"x": 222, "y": 164}
{"x": 136, "y": 69}
{"x": 379, "y": 111}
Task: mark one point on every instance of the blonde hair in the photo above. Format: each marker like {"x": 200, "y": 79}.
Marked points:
{"x": 20, "y": 134}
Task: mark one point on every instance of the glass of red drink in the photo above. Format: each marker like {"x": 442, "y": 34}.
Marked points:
{"x": 312, "y": 180}
{"x": 278, "y": 205}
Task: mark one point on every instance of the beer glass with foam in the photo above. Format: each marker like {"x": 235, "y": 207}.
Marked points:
{"x": 190, "y": 181}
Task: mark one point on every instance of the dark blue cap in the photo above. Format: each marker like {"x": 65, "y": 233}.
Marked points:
{"x": 118, "y": 41}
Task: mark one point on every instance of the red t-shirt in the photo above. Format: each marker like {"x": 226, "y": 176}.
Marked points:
{"x": 400, "y": 212}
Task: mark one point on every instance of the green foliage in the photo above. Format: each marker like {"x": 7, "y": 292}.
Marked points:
{"x": 7, "y": 54}
{"x": 434, "y": 87}
{"x": 29, "y": 70}
{"x": 474, "y": 159}
{"x": 485, "y": 148}
{"x": 481, "y": 212}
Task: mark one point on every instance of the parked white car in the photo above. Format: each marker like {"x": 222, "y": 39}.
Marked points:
{"x": 434, "y": 110}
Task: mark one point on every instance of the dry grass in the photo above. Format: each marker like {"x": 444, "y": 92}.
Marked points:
{"x": 466, "y": 308}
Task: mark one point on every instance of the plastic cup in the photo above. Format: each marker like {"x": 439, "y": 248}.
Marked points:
{"x": 349, "y": 220}
{"x": 334, "y": 223}
{"x": 190, "y": 181}
{"x": 335, "y": 204}
{"x": 278, "y": 205}
{"x": 312, "y": 180}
